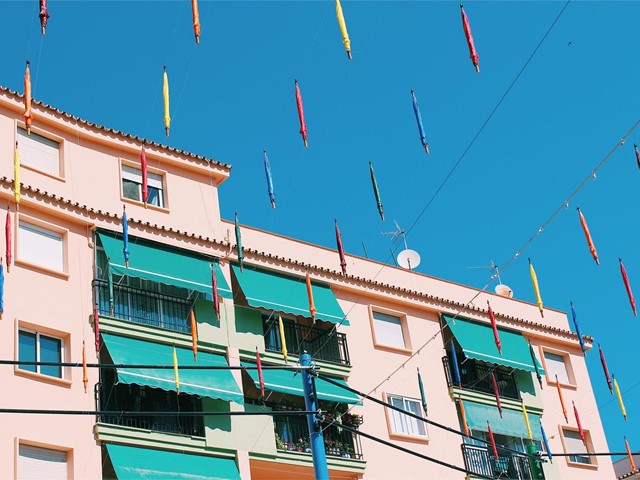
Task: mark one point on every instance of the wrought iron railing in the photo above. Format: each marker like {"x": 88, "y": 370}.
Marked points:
{"x": 292, "y": 434}
{"x": 477, "y": 376}
{"x": 147, "y": 308}
{"x": 480, "y": 460}
{"x": 320, "y": 343}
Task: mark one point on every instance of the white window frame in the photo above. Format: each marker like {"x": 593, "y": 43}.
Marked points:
{"x": 45, "y": 141}
{"x": 134, "y": 175}
{"x": 37, "y": 228}
{"x": 38, "y": 335}
{"x": 380, "y": 340}
{"x": 47, "y": 467}
{"x": 401, "y": 425}
{"x": 591, "y": 462}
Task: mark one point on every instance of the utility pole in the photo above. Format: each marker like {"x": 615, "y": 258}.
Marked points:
{"x": 316, "y": 439}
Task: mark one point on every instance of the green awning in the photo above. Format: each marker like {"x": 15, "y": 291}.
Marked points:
{"x": 511, "y": 423}
{"x": 476, "y": 341}
{"x": 163, "y": 265}
{"x": 205, "y": 383}
{"x": 274, "y": 291}
{"x": 132, "y": 463}
{"x": 285, "y": 381}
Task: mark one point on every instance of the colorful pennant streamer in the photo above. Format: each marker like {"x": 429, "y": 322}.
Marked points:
{"x": 312, "y": 308}
{"x": 125, "y": 236}
{"x": 239, "y": 244}
{"x": 605, "y": 369}
{"x": 561, "y": 397}
{"x": 632, "y": 463}
{"x": 303, "y": 124}
{"x": 463, "y": 416}
{"x": 7, "y": 238}
{"x": 260, "y": 376}
{"x": 627, "y": 286}
{"x": 635, "y": 147}
{"x": 536, "y": 288}
{"x": 85, "y": 378}
{"x": 416, "y": 112}
{"x": 423, "y": 397}
{"x": 496, "y": 392}
{"x": 535, "y": 364}
{"x": 28, "y": 116}
{"x": 525, "y": 414}
{"x": 454, "y": 361}
{"x": 343, "y": 261}
{"x": 376, "y": 192}
{"x": 143, "y": 169}
{"x": 1, "y": 288}
{"x": 283, "y": 340}
{"x": 619, "y": 395}
{"x": 44, "y": 16}
{"x": 96, "y": 327}
{"x": 110, "y": 284}
{"x": 494, "y": 447}
{"x": 214, "y": 291}
{"x": 194, "y": 334}
{"x": 343, "y": 29}
{"x": 165, "y": 98}
{"x": 587, "y": 235}
{"x": 473, "y": 54}
{"x": 267, "y": 171}
{"x": 575, "y": 324}
{"x": 196, "y": 20}
{"x": 580, "y": 430}
{"x": 16, "y": 175}
{"x": 176, "y": 373}
{"x": 494, "y": 326}
{"x": 545, "y": 440}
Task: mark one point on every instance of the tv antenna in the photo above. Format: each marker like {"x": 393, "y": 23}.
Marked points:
{"x": 407, "y": 258}
{"x": 501, "y": 289}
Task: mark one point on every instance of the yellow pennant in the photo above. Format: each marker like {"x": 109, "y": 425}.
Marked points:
{"x": 16, "y": 174}
{"x": 343, "y": 29}
{"x": 194, "y": 335}
{"x": 526, "y": 421}
{"x": 283, "y": 340}
{"x": 536, "y": 288}
{"x": 165, "y": 98}
{"x": 175, "y": 369}
{"x": 619, "y": 395}
{"x": 85, "y": 378}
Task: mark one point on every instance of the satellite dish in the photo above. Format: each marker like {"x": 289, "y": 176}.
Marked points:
{"x": 504, "y": 291}
{"x": 408, "y": 259}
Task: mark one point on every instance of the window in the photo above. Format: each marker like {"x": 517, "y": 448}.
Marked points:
{"x": 555, "y": 364}
{"x": 402, "y": 424}
{"x": 35, "y": 463}
{"x": 132, "y": 186}
{"x": 388, "y": 330}
{"x": 38, "y": 152}
{"x": 39, "y": 246}
{"x": 573, "y": 444}
{"x": 36, "y": 347}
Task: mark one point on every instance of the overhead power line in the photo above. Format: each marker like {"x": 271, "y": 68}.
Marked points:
{"x": 295, "y": 368}
{"x": 127, "y": 413}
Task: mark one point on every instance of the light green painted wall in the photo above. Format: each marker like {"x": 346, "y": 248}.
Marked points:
{"x": 248, "y": 329}
{"x": 529, "y": 389}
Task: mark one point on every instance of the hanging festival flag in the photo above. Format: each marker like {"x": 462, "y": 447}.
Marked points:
{"x": 619, "y": 395}
{"x": 535, "y": 364}
{"x": 7, "y": 238}
{"x": 143, "y": 169}
{"x": 376, "y": 192}
{"x": 239, "y": 244}
{"x": 16, "y": 175}
{"x": 575, "y": 324}
{"x": 632, "y": 463}
{"x": 1, "y": 288}
{"x": 165, "y": 98}
{"x": 96, "y": 327}
{"x": 303, "y": 125}
{"x": 536, "y": 288}
{"x": 44, "y": 16}
{"x": 561, "y": 397}
{"x": 463, "y": 416}
{"x": 267, "y": 171}
{"x": 85, "y": 378}
{"x": 635, "y": 147}
{"x": 423, "y": 397}
{"x": 260, "y": 376}
{"x": 627, "y": 285}
{"x": 605, "y": 369}
{"x": 112, "y": 304}
{"x": 343, "y": 29}
{"x": 496, "y": 392}
{"x": 283, "y": 340}
{"x": 214, "y": 291}
{"x": 28, "y": 116}
{"x": 493, "y": 441}
{"x": 525, "y": 414}
{"x": 454, "y": 361}
{"x": 580, "y": 430}
{"x": 194, "y": 334}
{"x": 587, "y": 235}
{"x": 494, "y": 326}
{"x": 125, "y": 236}
{"x": 545, "y": 440}
{"x": 312, "y": 307}
{"x": 176, "y": 374}
{"x": 343, "y": 261}
{"x": 467, "y": 33}
{"x": 196, "y": 20}
{"x": 416, "y": 111}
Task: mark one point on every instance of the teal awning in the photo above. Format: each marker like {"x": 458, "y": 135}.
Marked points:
{"x": 274, "y": 291}
{"x": 476, "y": 341}
{"x": 163, "y": 265}
{"x": 285, "y": 381}
{"x": 511, "y": 423}
{"x": 205, "y": 383}
{"x": 132, "y": 463}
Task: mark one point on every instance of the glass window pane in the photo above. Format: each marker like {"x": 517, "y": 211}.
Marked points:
{"x": 27, "y": 350}
{"x": 417, "y": 427}
{"x": 155, "y": 196}
{"x": 130, "y": 189}
{"x": 50, "y": 351}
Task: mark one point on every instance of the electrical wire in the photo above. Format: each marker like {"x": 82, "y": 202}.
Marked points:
{"x": 127, "y": 413}
{"x": 155, "y": 367}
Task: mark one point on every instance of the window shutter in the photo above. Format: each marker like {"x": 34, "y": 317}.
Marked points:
{"x": 133, "y": 174}
{"x": 39, "y": 152}
{"x": 154, "y": 180}
{"x": 556, "y": 366}
{"x": 388, "y": 330}
{"x": 41, "y": 247}
{"x": 36, "y": 463}
{"x": 573, "y": 442}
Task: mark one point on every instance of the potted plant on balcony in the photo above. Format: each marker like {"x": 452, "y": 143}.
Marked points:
{"x": 302, "y": 445}
{"x": 280, "y": 445}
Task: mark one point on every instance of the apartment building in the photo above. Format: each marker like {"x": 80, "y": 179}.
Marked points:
{"x": 69, "y": 279}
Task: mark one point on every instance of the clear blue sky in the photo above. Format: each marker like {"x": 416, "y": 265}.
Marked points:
{"x": 233, "y": 95}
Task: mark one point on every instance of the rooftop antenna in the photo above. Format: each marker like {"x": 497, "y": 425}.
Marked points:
{"x": 501, "y": 289}
{"x": 407, "y": 258}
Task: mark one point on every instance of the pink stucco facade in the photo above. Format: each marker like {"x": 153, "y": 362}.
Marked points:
{"x": 87, "y": 196}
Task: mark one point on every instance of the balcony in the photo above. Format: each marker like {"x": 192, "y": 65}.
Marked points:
{"x": 476, "y": 376}
{"x": 508, "y": 464}
{"x": 322, "y": 344}
{"x": 292, "y": 434}
{"x": 144, "y": 307}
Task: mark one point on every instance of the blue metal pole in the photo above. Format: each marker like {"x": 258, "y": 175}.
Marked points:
{"x": 315, "y": 430}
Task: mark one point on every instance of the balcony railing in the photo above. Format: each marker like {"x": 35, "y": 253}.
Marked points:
{"x": 148, "y": 308}
{"x": 292, "y": 434}
{"x": 477, "y": 376}
{"x": 510, "y": 465}
{"x": 321, "y": 344}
